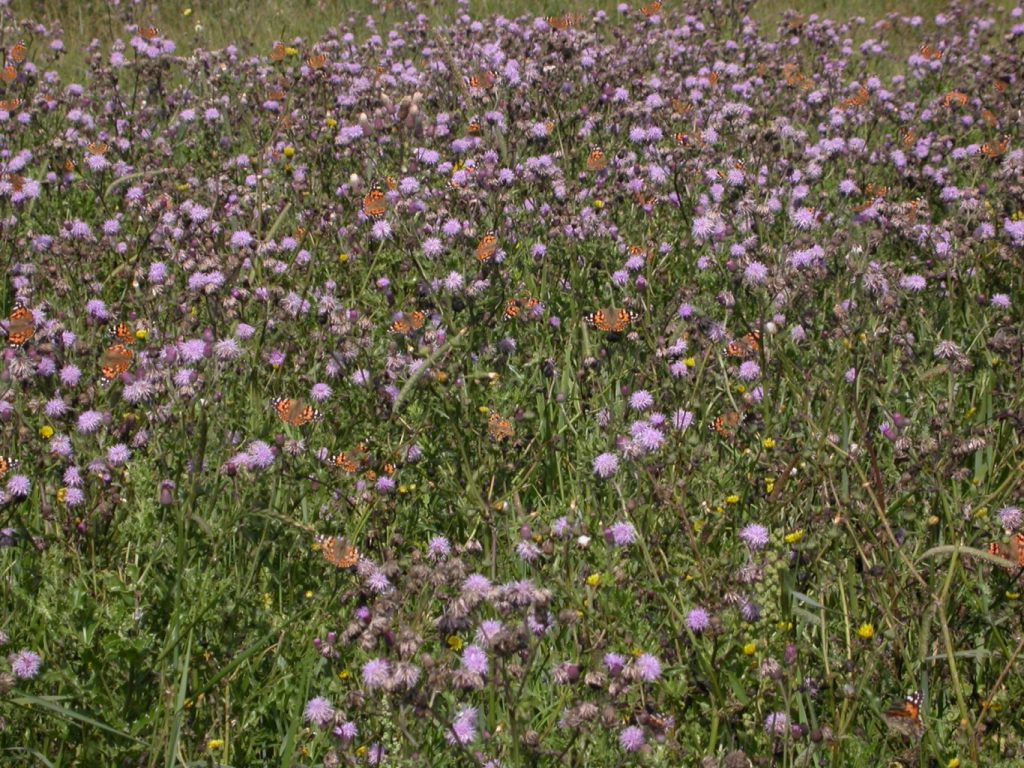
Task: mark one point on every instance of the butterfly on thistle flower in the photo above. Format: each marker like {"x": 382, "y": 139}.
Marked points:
{"x": 122, "y": 332}
{"x": 482, "y": 80}
{"x": 611, "y": 320}
{"x": 9, "y": 105}
{"x": 375, "y": 203}
{"x": 278, "y": 52}
{"x": 21, "y": 326}
{"x": 905, "y": 717}
{"x": 408, "y": 323}
{"x": 115, "y": 361}
{"x": 149, "y": 33}
{"x": 487, "y": 247}
{"x": 98, "y": 148}
{"x": 515, "y": 308}
{"x": 992, "y": 149}
{"x": 295, "y": 412}
{"x": 596, "y": 160}
{"x": 351, "y": 461}
{"x": 745, "y": 346}
{"x": 339, "y": 551}
{"x": 317, "y": 61}
{"x": 651, "y": 9}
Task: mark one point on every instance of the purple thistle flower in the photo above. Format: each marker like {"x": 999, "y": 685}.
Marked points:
{"x": 19, "y": 486}
{"x": 698, "y": 620}
{"x": 777, "y": 724}
{"x": 648, "y": 667}
{"x": 241, "y": 239}
{"x": 319, "y": 711}
{"x": 749, "y": 370}
{"x": 439, "y": 548}
{"x": 606, "y": 465}
{"x": 97, "y": 309}
{"x": 376, "y": 673}
{"x": 621, "y": 534}
{"x": 632, "y": 738}
{"x": 641, "y": 400}
{"x": 25, "y": 664}
{"x": 118, "y": 454}
{"x": 260, "y": 455}
{"x": 755, "y": 536}
{"x": 1011, "y": 518}
{"x": 463, "y": 729}
{"x": 89, "y": 422}
{"x": 474, "y": 659}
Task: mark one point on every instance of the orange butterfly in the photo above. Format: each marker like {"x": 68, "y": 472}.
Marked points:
{"x": 375, "y": 203}
{"x": 149, "y": 33}
{"x": 500, "y": 428}
{"x": 317, "y": 61}
{"x": 651, "y": 9}
{"x": 18, "y": 52}
{"x": 876, "y": 190}
{"x": 514, "y": 307}
{"x": 487, "y": 247}
{"x": 98, "y": 148}
{"x": 123, "y": 333}
{"x": 474, "y": 127}
{"x": 69, "y": 165}
{"x": 954, "y": 99}
{"x": 990, "y": 118}
{"x": 339, "y": 552}
{"x": 988, "y": 149}
{"x": 929, "y": 53}
{"x": 16, "y": 181}
{"x": 560, "y": 22}
{"x": 482, "y": 80}
{"x": 725, "y": 425}
{"x": 6, "y": 465}
{"x": 858, "y": 100}
{"x": 351, "y": 461}
{"x": 1014, "y": 551}
{"x": 116, "y": 361}
{"x": 391, "y": 182}
{"x": 8, "y": 74}
{"x": 596, "y": 160}
{"x": 21, "y": 326}
{"x": 409, "y": 323}
{"x": 681, "y": 108}
{"x": 9, "y": 105}
{"x": 611, "y": 320}
{"x": 909, "y": 138}
{"x": 746, "y": 346}
{"x": 278, "y": 52}
{"x": 295, "y": 412}
{"x": 905, "y": 717}
{"x": 276, "y": 95}
{"x": 1001, "y": 83}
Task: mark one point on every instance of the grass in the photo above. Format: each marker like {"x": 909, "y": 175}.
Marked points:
{"x": 183, "y": 608}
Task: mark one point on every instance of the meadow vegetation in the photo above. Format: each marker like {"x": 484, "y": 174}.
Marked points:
{"x": 638, "y": 385}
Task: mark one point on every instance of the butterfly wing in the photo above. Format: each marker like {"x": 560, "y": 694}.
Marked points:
{"x": 339, "y": 552}
{"x": 905, "y": 717}
{"x": 487, "y": 247}
{"x": 116, "y": 361}
{"x": 21, "y": 327}
{"x": 375, "y": 203}
{"x": 6, "y": 465}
